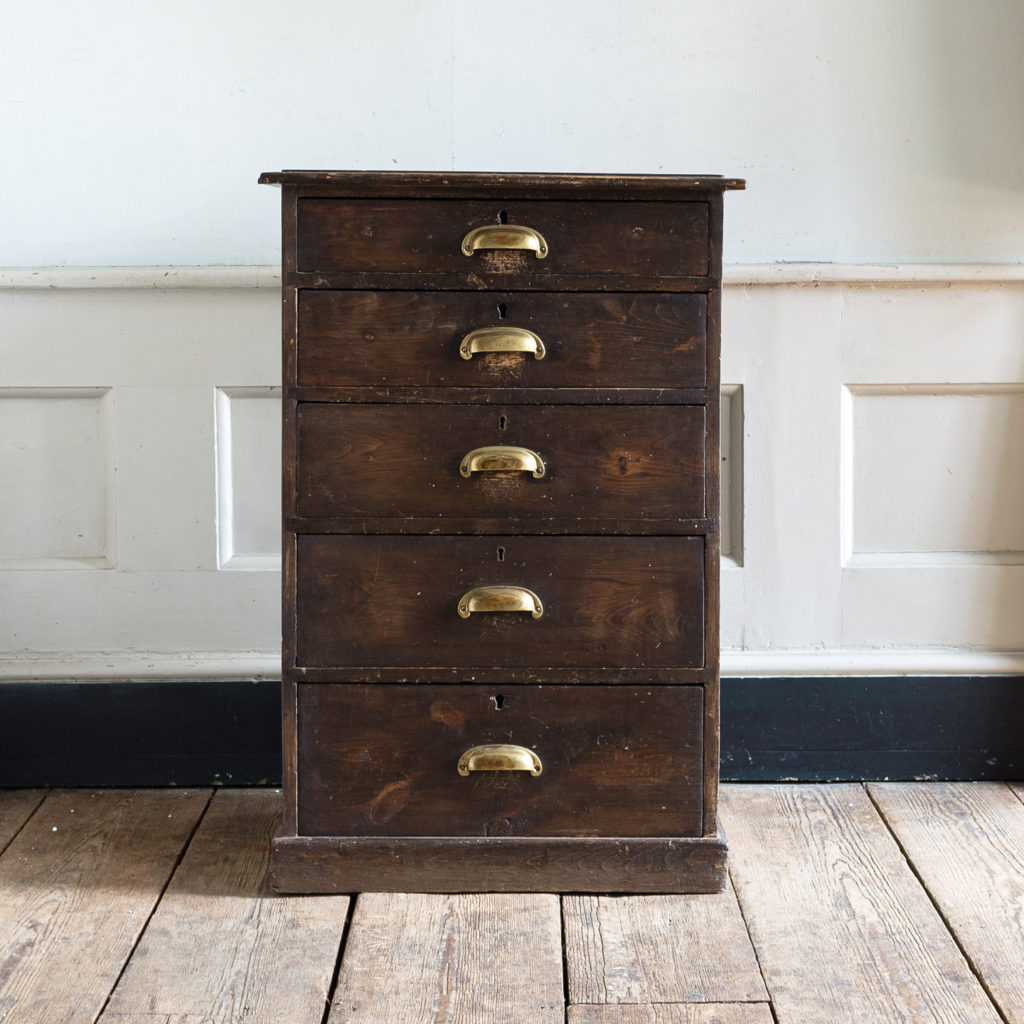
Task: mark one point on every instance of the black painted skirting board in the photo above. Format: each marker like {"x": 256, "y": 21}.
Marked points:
{"x": 805, "y": 729}
{"x": 838, "y": 728}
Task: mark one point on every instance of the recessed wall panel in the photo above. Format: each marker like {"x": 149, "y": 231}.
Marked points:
{"x": 249, "y": 477}
{"x": 56, "y": 469}
{"x": 936, "y": 470}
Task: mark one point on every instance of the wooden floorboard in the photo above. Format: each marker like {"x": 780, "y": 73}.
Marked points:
{"x": 77, "y": 885}
{"x": 966, "y": 842}
{"x": 672, "y": 1013}
{"x": 221, "y": 947}
{"x": 859, "y": 904}
{"x": 843, "y": 930}
{"x": 16, "y": 807}
{"x": 659, "y": 949}
{"x": 467, "y": 959}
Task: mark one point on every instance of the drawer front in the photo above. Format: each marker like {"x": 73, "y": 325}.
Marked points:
{"x": 608, "y": 602}
{"x": 597, "y": 463}
{"x": 639, "y": 239}
{"x": 615, "y": 761}
{"x": 590, "y": 340}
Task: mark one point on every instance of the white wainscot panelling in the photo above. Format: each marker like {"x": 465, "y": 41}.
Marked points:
{"x": 935, "y": 474}
{"x": 141, "y": 625}
{"x": 883, "y": 470}
{"x": 249, "y": 478}
{"x": 932, "y": 500}
{"x": 872, "y": 472}
{"x": 933, "y": 506}
{"x": 56, "y": 464}
{"x": 110, "y": 418}
{"x": 780, "y": 348}
{"x": 949, "y": 331}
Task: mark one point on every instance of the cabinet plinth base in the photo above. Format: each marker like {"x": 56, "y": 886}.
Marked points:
{"x": 331, "y": 864}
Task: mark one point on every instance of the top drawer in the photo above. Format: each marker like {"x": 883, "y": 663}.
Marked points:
{"x": 580, "y": 239}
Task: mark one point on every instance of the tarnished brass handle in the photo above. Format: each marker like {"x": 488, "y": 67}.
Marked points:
{"x": 501, "y": 339}
{"x": 499, "y": 757}
{"x": 500, "y": 599}
{"x": 502, "y": 458}
{"x": 505, "y": 236}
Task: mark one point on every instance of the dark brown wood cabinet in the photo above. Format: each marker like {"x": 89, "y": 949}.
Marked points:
{"x": 501, "y": 486}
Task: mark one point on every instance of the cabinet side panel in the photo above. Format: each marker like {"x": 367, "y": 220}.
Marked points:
{"x": 289, "y": 458}
{"x": 712, "y": 546}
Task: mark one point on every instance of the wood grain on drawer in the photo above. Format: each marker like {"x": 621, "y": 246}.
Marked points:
{"x": 608, "y": 602}
{"x": 622, "y": 462}
{"x": 638, "y": 239}
{"x": 616, "y": 761}
{"x": 412, "y": 339}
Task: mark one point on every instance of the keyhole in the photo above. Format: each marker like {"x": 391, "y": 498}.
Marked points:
{"x": 503, "y": 216}
{"x": 501, "y": 554}
{"x": 498, "y": 700}
{"x": 502, "y": 422}
{"x": 502, "y": 310}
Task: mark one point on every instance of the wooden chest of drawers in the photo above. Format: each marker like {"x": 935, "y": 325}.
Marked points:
{"x": 500, "y": 532}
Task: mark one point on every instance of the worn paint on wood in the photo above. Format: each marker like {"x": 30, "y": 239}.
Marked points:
{"x": 843, "y": 930}
{"x": 966, "y": 842}
{"x": 458, "y": 959}
{"x": 220, "y": 947}
{"x": 659, "y": 949}
{"x": 77, "y": 885}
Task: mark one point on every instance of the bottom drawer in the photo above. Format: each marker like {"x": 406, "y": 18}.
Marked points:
{"x": 614, "y": 760}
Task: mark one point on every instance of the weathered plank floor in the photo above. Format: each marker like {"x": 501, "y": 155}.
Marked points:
{"x": 849, "y": 903}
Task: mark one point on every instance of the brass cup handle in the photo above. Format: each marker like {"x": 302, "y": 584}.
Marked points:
{"x": 501, "y": 339}
{"x": 500, "y": 599}
{"x": 499, "y": 757}
{"x": 505, "y": 236}
{"x": 502, "y": 458}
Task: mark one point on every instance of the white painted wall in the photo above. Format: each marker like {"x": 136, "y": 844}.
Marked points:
{"x": 875, "y": 397}
{"x": 871, "y": 131}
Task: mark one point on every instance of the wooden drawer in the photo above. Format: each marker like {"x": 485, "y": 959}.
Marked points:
{"x": 611, "y": 463}
{"x": 615, "y": 761}
{"x": 590, "y": 340}
{"x": 608, "y": 602}
{"x": 393, "y": 236}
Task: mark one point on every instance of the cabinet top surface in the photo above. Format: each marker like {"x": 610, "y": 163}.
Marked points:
{"x": 464, "y": 182}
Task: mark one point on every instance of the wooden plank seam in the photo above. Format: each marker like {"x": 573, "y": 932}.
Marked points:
{"x": 964, "y": 952}
{"x": 342, "y": 946}
{"x": 156, "y": 903}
